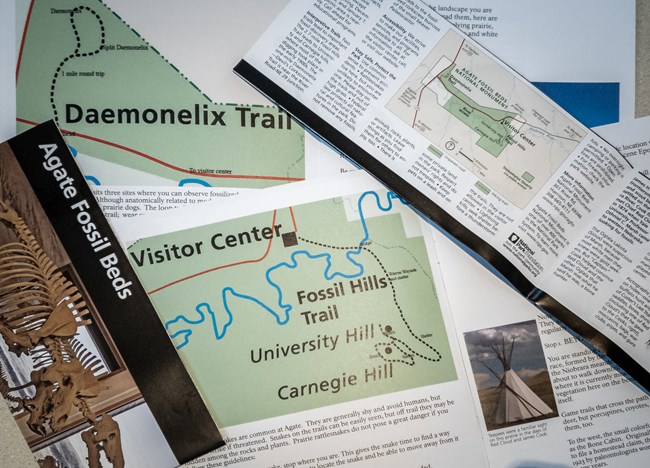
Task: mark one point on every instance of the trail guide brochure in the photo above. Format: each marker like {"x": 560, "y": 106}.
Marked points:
{"x": 477, "y": 150}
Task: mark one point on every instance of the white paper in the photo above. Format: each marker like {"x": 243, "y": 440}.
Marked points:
{"x": 631, "y": 139}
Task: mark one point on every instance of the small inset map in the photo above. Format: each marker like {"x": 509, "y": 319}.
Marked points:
{"x": 497, "y": 126}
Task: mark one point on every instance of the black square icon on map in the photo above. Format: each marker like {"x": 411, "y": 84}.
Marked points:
{"x": 289, "y": 239}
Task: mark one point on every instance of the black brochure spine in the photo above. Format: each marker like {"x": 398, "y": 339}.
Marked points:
{"x": 132, "y": 321}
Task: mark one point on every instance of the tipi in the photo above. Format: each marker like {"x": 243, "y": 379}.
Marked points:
{"x": 516, "y": 401}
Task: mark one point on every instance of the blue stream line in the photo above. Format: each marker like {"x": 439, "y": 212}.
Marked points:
{"x": 93, "y": 179}
{"x": 281, "y": 318}
{"x": 184, "y": 182}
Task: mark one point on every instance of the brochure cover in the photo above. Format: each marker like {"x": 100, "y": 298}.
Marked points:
{"x": 87, "y": 367}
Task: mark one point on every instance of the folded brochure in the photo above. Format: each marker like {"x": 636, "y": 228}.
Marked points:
{"x": 88, "y": 369}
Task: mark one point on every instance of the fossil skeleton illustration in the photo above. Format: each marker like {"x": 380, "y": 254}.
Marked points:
{"x": 40, "y": 312}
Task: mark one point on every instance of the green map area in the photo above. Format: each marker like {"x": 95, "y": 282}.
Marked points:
{"x": 116, "y": 98}
{"x": 488, "y": 122}
{"x": 300, "y": 308}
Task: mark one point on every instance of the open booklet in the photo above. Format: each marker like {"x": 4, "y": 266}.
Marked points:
{"x": 316, "y": 324}
{"x": 477, "y": 150}
{"x": 86, "y": 366}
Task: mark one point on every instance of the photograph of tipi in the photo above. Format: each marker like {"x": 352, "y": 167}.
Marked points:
{"x": 511, "y": 375}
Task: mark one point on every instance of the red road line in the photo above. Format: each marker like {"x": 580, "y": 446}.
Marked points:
{"x": 502, "y": 119}
{"x": 293, "y": 219}
{"x": 453, "y": 62}
{"x": 243, "y": 262}
{"x": 22, "y": 42}
{"x": 136, "y": 152}
{"x": 480, "y": 111}
{"x": 163, "y": 163}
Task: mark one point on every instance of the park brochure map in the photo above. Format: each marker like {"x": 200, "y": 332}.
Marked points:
{"x": 131, "y": 116}
{"x": 490, "y": 122}
{"x": 321, "y": 300}
{"x": 284, "y": 298}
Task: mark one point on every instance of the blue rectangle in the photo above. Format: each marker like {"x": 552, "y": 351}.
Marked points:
{"x": 592, "y": 104}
